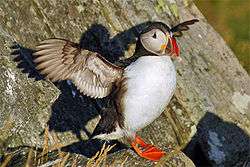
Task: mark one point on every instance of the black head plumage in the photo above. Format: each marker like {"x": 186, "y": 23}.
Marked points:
{"x": 176, "y": 30}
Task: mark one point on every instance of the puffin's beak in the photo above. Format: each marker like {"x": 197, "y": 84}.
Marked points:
{"x": 175, "y": 51}
{"x": 171, "y": 48}
{"x": 163, "y": 48}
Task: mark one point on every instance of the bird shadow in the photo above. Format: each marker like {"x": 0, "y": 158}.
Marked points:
{"x": 71, "y": 111}
{"x": 218, "y": 143}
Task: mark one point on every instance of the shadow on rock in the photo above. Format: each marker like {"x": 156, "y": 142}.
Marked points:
{"x": 219, "y": 143}
{"x": 23, "y": 57}
{"x": 97, "y": 39}
{"x": 89, "y": 148}
{"x": 72, "y": 110}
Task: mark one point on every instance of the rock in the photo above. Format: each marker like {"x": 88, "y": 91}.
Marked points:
{"x": 172, "y": 159}
{"x": 220, "y": 143}
{"x": 122, "y": 158}
{"x": 25, "y": 106}
{"x": 211, "y": 80}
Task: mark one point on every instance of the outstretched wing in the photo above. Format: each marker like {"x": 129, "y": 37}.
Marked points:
{"x": 177, "y": 30}
{"x": 59, "y": 59}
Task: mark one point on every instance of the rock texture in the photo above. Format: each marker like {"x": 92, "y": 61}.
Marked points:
{"x": 210, "y": 110}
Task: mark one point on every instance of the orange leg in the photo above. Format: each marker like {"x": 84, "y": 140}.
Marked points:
{"x": 147, "y": 151}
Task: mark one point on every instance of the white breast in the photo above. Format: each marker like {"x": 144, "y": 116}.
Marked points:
{"x": 151, "y": 83}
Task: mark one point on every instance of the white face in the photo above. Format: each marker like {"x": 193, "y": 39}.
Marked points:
{"x": 154, "y": 40}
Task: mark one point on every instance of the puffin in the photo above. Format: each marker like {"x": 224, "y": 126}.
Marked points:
{"x": 140, "y": 91}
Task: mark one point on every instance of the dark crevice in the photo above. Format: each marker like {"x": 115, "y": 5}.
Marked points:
{"x": 194, "y": 151}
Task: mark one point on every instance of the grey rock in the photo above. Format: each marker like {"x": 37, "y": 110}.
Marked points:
{"x": 211, "y": 80}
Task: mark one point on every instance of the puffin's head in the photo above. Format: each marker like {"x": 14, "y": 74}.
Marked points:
{"x": 160, "y": 40}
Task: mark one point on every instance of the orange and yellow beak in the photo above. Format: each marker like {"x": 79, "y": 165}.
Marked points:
{"x": 171, "y": 48}
{"x": 163, "y": 48}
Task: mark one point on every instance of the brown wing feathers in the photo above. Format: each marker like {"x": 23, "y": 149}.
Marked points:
{"x": 59, "y": 59}
{"x": 53, "y": 58}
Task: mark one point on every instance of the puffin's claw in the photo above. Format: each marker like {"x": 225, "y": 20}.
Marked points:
{"x": 147, "y": 151}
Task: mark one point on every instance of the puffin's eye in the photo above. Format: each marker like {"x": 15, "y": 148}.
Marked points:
{"x": 154, "y": 36}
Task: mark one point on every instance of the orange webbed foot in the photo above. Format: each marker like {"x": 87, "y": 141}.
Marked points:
{"x": 147, "y": 151}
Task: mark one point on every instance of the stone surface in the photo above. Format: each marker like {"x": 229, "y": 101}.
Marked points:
{"x": 211, "y": 80}
{"x": 25, "y": 105}
{"x": 222, "y": 143}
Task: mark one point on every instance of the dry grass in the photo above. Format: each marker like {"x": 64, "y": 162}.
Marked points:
{"x": 63, "y": 159}
{"x": 42, "y": 159}
{"x": 74, "y": 162}
{"x": 100, "y": 157}
{"x": 29, "y": 160}
{"x": 6, "y": 160}
{"x": 45, "y": 146}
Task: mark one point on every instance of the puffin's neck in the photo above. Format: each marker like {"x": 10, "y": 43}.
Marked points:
{"x": 139, "y": 52}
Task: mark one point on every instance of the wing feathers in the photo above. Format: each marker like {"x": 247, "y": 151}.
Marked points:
{"x": 46, "y": 57}
{"x": 48, "y": 51}
{"x": 47, "y": 64}
{"x": 60, "y": 59}
{"x": 53, "y": 41}
{"x": 52, "y": 68}
{"x": 52, "y": 74}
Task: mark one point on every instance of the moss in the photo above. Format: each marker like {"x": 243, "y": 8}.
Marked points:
{"x": 112, "y": 21}
{"x": 160, "y": 6}
{"x": 6, "y": 128}
{"x": 6, "y": 63}
{"x": 174, "y": 9}
{"x": 187, "y": 2}
{"x": 40, "y": 14}
{"x": 15, "y": 140}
